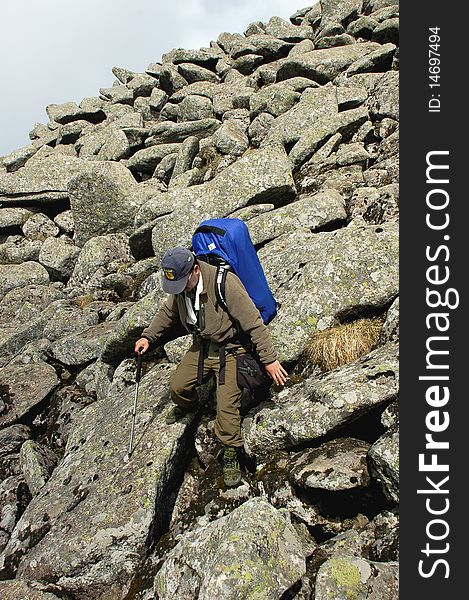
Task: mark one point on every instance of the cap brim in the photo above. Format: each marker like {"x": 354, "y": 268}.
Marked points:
{"x": 175, "y": 286}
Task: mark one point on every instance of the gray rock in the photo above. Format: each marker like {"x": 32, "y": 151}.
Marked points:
{"x": 321, "y": 406}
{"x": 357, "y": 577}
{"x": 65, "y": 221}
{"x": 247, "y": 63}
{"x": 83, "y": 347}
{"x": 168, "y": 132}
{"x": 349, "y": 154}
{"x": 199, "y": 88}
{"x": 115, "y": 147}
{"x": 117, "y": 94}
{"x": 59, "y": 256}
{"x": 123, "y": 75}
{"x": 147, "y": 159}
{"x": 170, "y": 80}
{"x": 69, "y": 133}
{"x": 32, "y": 590}
{"x": 390, "y": 331}
{"x": 16, "y": 276}
{"x": 335, "y": 40}
{"x": 95, "y": 498}
{"x": 62, "y": 113}
{"x": 100, "y": 256}
{"x": 262, "y": 174}
{"x": 384, "y": 462}
{"x": 205, "y": 57}
{"x": 142, "y": 84}
{"x": 158, "y": 99}
{"x": 17, "y": 250}
{"x": 12, "y": 437}
{"x": 13, "y": 217}
{"x": 192, "y": 73}
{"x": 259, "y": 127}
{"x": 279, "y": 28}
{"x": 21, "y": 304}
{"x": 25, "y": 389}
{"x": 39, "y": 227}
{"x": 339, "y": 12}
{"x": 324, "y": 65}
{"x": 301, "y": 48}
{"x": 312, "y": 137}
{"x": 384, "y": 100}
{"x": 37, "y": 463}
{"x": 308, "y": 212}
{"x": 313, "y": 105}
{"x": 319, "y": 277}
{"x": 194, "y": 108}
{"x": 128, "y": 329}
{"x": 188, "y": 150}
{"x": 101, "y": 201}
{"x": 387, "y": 31}
{"x": 41, "y": 179}
{"x": 378, "y": 60}
{"x": 275, "y": 99}
{"x": 231, "y": 138}
{"x": 18, "y": 158}
{"x": 336, "y": 465}
{"x": 212, "y": 563}
{"x": 362, "y": 27}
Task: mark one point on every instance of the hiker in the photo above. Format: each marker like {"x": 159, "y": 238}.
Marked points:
{"x": 217, "y": 337}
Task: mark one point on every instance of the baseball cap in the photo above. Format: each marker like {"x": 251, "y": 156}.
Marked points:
{"x": 177, "y": 264}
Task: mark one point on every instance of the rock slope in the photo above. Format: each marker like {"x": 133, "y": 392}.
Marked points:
{"x": 292, "y": 126}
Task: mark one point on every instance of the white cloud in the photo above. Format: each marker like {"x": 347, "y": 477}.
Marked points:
{"x": 54, "y": 51}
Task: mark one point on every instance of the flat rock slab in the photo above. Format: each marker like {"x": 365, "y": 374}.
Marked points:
{"x": 254, "y": 552}
{"x": 40, "y": 177}
{"x": 319, "y": 277}
{"x": 336, "y": 465}
{"x": 88, "y": 528}
{"x": 27, "y": 386}
{"x": 322, "y": 405}
{"x": 384, "y": 461}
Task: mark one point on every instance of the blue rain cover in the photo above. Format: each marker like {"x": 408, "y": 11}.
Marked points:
{"x": 229, "y": 239}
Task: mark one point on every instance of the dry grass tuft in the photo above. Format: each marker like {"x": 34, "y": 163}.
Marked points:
{"x": 84, "y": 301}
{"x": 342, "y": 344}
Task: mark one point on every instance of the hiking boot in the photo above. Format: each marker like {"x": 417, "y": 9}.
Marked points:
{"x": 231, "y": 468}
{"x": 176, "y": 414}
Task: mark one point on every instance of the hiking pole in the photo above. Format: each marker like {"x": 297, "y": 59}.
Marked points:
{"x": 134, "y": 411}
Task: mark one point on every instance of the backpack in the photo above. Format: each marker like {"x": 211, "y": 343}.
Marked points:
{"x": 226, "y": 243}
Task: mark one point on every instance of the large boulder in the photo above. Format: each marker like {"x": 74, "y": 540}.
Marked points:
{"x": 252, "y": 552}
{"x": 18, "y": 276}
{"x": 101, "y": 201}
{"x": 324, "y": 276}
{"x": 304, "y": 413}
{"x": 87, "y": 529}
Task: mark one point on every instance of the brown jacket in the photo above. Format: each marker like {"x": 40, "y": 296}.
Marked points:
{"x": 216, "y": 324}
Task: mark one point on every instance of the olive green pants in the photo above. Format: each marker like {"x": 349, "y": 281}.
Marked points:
{"x": 184, "y": 381}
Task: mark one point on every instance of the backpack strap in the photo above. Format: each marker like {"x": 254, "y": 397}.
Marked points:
{"x": 220, "y": 285}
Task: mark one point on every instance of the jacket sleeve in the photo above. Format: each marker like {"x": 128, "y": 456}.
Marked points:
{"x": 243, "y": 310}
{"x": 166, "y": 318}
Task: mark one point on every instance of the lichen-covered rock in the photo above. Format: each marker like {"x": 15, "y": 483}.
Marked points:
{"x": 101, "y": 201}
{"x": 308, "y": 212}
{"x": 358, "y": 578}
{"x": 25, "y": 389}
{"x": 265, "y": 173}
{"x": 13, "y": 437}
{"x": 17, "y": 276}
{"x": 100, "y": 256}
{"x": 384, "y": 462}
{"x": 82, "y": 347}
{"x": 13, "y": 217}
{"x": 384, "y": 99}
{"x": 37, "y": 463}
{"x": 320, "y": 406}
{"x": 319, "y": 277}
{"x": 252, "y": 552}
{"x": 390, "y": 330}
{"x": 59, "y": 256}
{"x": 111, "y": 510}
{"x": 17, "y": 250}
{"x": 336, "y": 465}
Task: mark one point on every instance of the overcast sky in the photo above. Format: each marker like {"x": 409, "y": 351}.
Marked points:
{"x": 54, "y": 51}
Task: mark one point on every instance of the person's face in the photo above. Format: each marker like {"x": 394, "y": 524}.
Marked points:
{"x": 193, "y": 279}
